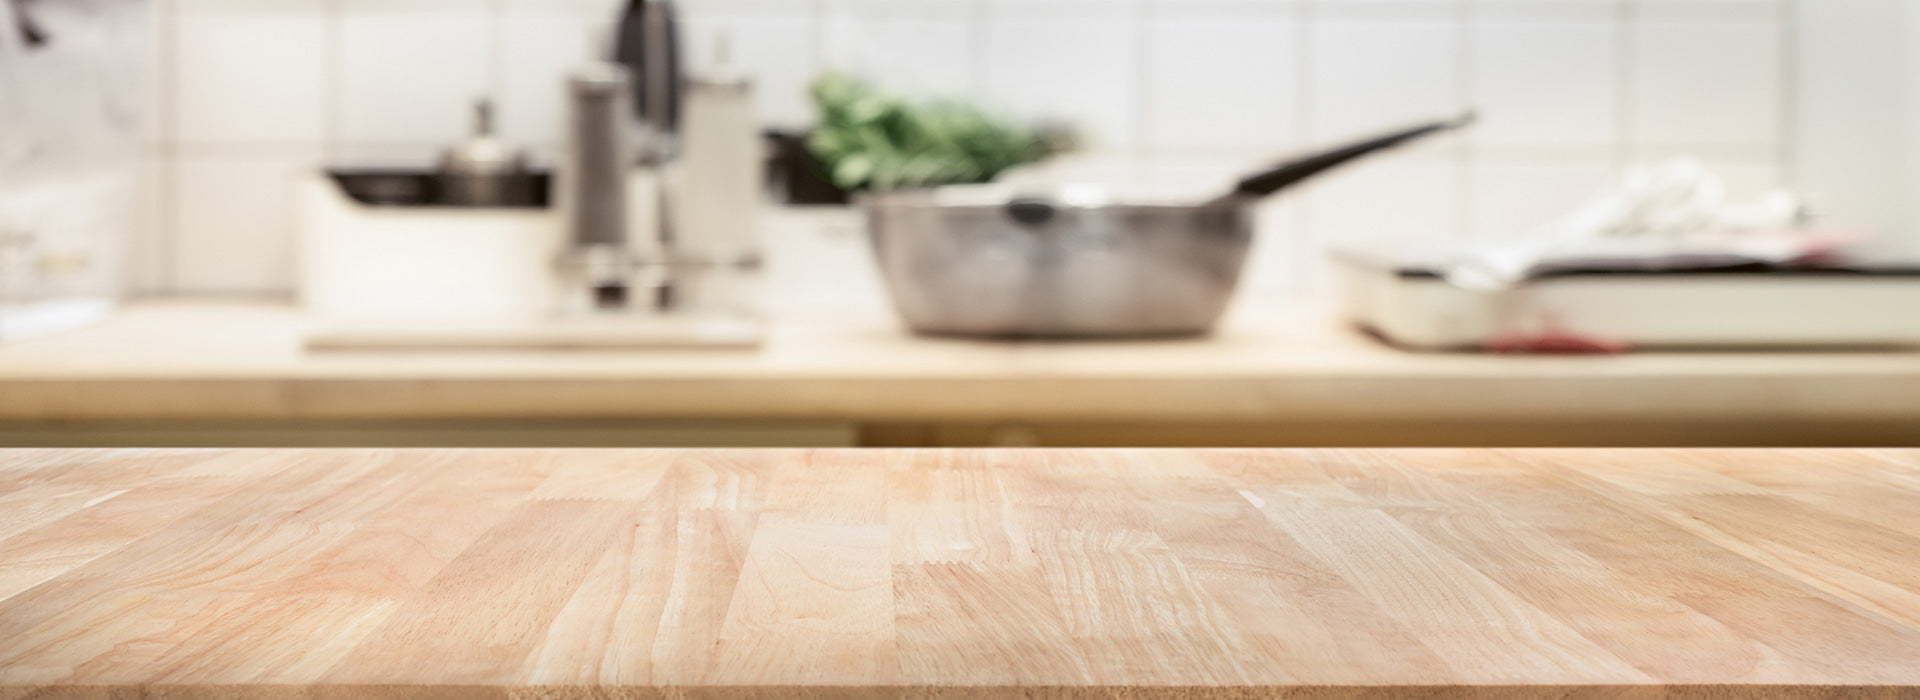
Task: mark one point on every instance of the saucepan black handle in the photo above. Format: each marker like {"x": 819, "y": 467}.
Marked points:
{"x": 1031, "y": 212}
{"x": 30, "y": 32}
{"x": 1293, "y": 171}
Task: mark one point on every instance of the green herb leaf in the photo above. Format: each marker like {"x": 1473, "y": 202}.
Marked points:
{"x": 872, "y": 140}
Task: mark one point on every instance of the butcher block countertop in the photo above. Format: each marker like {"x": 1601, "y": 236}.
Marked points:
{"x": 1268, "y": 368}
{"x": 959, "y": 574}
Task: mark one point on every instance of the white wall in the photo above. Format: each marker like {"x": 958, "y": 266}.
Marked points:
{"x": 253, "y": 91}
{"x": 69, "y": 147}
{"x": 1855, "y": 140}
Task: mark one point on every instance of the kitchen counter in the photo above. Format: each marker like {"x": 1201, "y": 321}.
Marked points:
{"x": 958, "y": 574}
{"x": 1289, "y": 376}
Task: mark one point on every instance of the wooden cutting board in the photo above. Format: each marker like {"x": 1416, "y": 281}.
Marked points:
{"x": 639, "y": 332}
{"x": 958, "y": 574}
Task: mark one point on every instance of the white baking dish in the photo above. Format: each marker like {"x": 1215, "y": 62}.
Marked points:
{"x": 1408, "y": 303}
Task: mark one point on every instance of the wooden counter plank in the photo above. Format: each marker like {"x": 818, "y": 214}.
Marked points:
{"x": 411, "y": 531}
{"x": 228, "y": 547}
{"x": 1871, "y": 493}
{"x": 814, "y": 601}
{"x": 34, "y": 556}
{"x": 1664, "y": 639}
{"x": 1136, "y": 614}
{"x": 651, "y": 611}
{"x": 1769, "y": 608}
{"x": 1315, "y": 626}
{"x": 965, "y": 567}
{"x": 1859, "y": 561}
{"x": 472, "y": 626}
{"x": 1149, "y": 575}
{"x": 1485, "y": 633}
{"x": 612, "y": 629}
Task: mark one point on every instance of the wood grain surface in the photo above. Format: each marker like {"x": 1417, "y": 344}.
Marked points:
{"x": 1117, "y": 574}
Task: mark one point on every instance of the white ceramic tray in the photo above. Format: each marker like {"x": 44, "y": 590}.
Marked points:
{"x": 1410, "y": 305}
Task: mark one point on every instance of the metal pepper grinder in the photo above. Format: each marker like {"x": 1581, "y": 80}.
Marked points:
{"x": 649, "y": 46}
{"x": 603, "y": 268}
{"x": 597, "y": 266}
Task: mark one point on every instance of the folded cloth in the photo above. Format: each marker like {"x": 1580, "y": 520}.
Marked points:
{"x": 1671, "y": 216}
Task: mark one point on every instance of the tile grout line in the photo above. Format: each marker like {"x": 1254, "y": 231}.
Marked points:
{"x": 164, "y": 280}
{"x": 819, "y": 15}
{"x": 1626, "y": 19}
{"x": 979, "y": 22}
{"x": 333, "y": 89}
{"x": 1303, "y": 253}
{"x": 1467, "y": 87}
{"x": 497, "y": 52}
{"x": 1787, "y": 149}
{"x": 1145, "y": 20}
{"x": 332, "y": 136}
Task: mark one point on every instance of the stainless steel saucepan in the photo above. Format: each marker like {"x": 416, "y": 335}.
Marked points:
{"x": 1079, "y": 262}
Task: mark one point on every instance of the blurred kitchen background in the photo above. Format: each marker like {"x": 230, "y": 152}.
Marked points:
{"x": 232, "y": 110}
{"x": 248, "y": 93}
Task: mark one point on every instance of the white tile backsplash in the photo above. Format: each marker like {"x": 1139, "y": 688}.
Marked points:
{"x": 250, "y": 79}
{"x": 233, "y": 223}
{"x": 581, "y": 8}
{"x": 536, "y": 51}
{"x": 1089, "y": 55}
{"x": 925, "y": 48}
{"x": 353, "y": 8}
{"x": 780, "y": 50}
{"x": 1222, "y": 80}
{"x": 1512, "y": 199}
{"x": 1545, "y": 82}
{"x": 1708, "y": 82}
{"x": 156, "y": 102}
{"x": 1748, "y": 179}
{"x": 255, "y": 91}
{"x": 147, "y": 244}
{"x": 411, "y": 78}
{"x": 1386, "y": 201}
{"x": 250, "y": 8}
{"x": 1371, "y": 74}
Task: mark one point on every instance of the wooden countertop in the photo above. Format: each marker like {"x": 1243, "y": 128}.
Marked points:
{"x": 958, "y": 574}
{"x": 203, "y": 361}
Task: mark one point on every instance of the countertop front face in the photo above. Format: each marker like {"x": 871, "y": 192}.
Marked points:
{"x": 885, "y": 574}
{"x": 241, "y": 362}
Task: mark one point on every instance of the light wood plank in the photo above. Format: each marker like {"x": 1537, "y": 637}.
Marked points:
{"x": 1484, "y": 633}
{"x": 1861, "y": 562}
{"x": 814, "y": 603}
{"x": 960, "y": 575}
{"x": 1665, "y": 559}
{"x": 1657, "y": 634}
